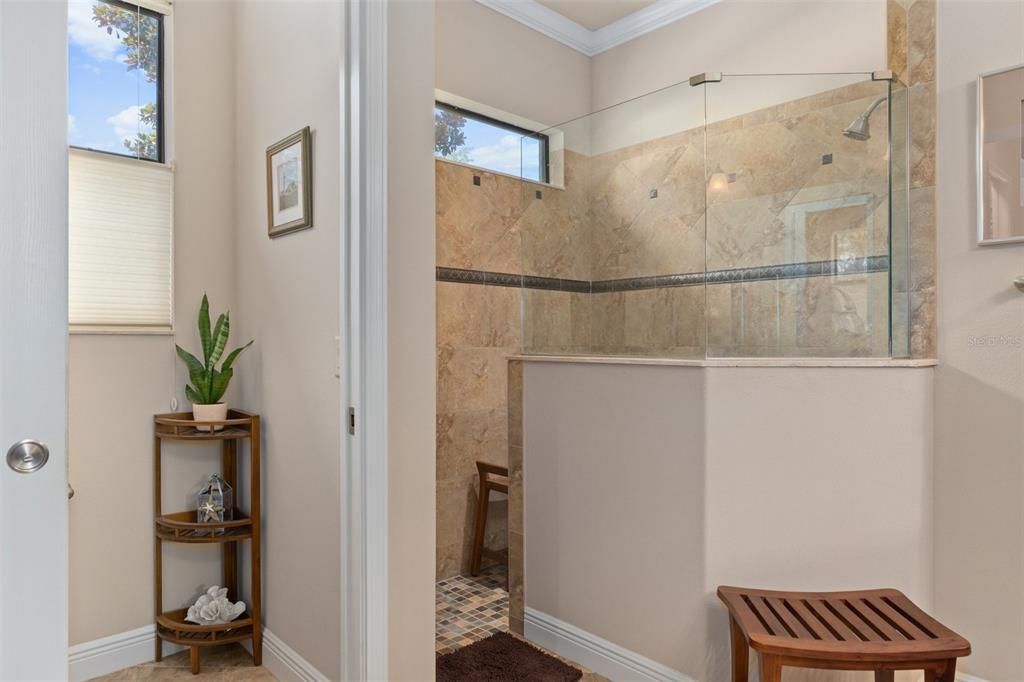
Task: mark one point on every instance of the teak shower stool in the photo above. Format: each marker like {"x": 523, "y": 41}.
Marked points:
{"x": 491, "y": 478}
{"x": 879, "y": 630}
{"x": 183, "y": 527}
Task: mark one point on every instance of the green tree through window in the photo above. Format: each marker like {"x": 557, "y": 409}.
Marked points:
{"x": 140, "y": 35}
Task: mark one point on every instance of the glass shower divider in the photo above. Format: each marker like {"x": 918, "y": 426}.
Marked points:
{"x": 738, "y": 216}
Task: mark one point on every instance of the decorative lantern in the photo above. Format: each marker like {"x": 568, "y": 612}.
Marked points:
{"x": 215, "y": 503}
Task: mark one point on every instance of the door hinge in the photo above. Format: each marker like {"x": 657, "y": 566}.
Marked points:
{"x": 352, "y": 420}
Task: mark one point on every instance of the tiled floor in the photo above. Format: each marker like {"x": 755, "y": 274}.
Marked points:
{"x": 229, "y": 663}
{"x": 470, "y": 609}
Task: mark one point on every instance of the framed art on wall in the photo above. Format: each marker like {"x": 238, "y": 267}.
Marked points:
{"x": 290, "y": 184}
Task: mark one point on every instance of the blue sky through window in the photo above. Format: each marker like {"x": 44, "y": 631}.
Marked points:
{"x": 104, "y": 95}
{"x": 499, "y": 149}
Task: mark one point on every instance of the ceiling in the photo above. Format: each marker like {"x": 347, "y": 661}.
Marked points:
{"x": 595, "y": 14}
{"x": 593, "y": 26}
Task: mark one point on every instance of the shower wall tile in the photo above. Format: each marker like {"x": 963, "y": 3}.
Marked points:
{"x": 547, "y": 319}
{"x": 922, "y": 238}
{"x": 477, "y": 316}
{"x": 922, "y": 135}
{"x": 919, "y": 72}
{"x": 471, "y": 378}
{"x": 463, "y": 438}
{"x": 688, "y": 306}
{"x": 922, "y": 323}
{"x": 921, "y": 42}
{"x": 897, "y": 39}
{"x": 648, "y": 316}
{"x": 608, "y": 322}
{"x": 477, "y": 226}
{"x": 516, "y": 565}
{"x": 743, "y": 316}
{"x": 478, "y": 327}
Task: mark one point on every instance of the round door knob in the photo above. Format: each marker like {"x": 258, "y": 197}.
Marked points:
{"x": 1019, "y": 283}
{"x": 27, "y": 456}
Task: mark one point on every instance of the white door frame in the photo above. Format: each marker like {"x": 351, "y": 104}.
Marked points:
{"x": 33, "y": 338}
{"x": 364, "y": 366}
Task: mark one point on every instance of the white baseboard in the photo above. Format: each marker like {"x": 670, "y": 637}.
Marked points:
{"x": 113, "y": 653}
{"x": 117, "y": 652}
{"x": 285, "y": 663}
{"x": 603, "y": 657}
{"x": 964, "y": 677}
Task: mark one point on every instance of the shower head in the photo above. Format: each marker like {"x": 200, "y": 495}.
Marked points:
{"x": 860, "y": 129}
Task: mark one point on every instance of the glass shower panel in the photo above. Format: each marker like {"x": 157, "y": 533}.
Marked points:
{"x": 797, "y": 246}
{"x": 613, "y": 249}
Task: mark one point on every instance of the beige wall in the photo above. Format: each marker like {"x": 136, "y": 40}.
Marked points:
{"x": 118, "y": 382}
{"x": 288, "y": 61}
{"x": 979, "y": 403}
{"x": 411, "y": 378}
{"x": 647, "y": 487}
{"x": 744, "y": 36}
{"x": 490, "y": 59}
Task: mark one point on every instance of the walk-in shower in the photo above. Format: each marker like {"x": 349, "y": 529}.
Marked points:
{"x": 738, "y": 216}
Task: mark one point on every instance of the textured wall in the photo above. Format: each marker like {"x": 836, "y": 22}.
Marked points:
{"x": 979, "y": 383}
{"x": 288, "y": 291}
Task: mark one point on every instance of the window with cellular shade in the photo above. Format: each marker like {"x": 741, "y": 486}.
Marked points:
{"x": 119, "y": 220}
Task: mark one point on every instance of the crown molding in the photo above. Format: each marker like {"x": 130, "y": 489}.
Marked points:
{"x": 534, "y": 15}
{"x": 650, "y": 18}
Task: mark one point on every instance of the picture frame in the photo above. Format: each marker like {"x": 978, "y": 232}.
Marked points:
{"x": 290, "y": 184}
{"x": 1000, "y": 161}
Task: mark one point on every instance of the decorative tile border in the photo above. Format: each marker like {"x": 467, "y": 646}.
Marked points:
{"x": 823, "y": 268}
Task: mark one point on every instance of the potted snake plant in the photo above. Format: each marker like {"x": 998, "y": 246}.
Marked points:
{"x": 208, "y": 384}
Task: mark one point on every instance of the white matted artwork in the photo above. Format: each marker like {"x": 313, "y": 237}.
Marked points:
{"x": 290, "y": 184}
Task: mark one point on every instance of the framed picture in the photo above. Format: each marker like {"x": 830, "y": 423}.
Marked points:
{"x": 290, "y": 184}
{"x": 1001, "y": 156}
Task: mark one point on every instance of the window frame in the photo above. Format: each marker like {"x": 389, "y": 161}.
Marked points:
{"x": 161, "y": 152}
{"x": 542, "y": 139}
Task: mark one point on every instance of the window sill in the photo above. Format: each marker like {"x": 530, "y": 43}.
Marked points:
{"x": 112, "y": 330}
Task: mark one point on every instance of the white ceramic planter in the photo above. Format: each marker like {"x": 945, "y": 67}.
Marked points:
{"x": 210, "y": 413}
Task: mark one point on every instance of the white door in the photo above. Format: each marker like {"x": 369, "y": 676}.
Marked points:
{"x": 33, "y": 339}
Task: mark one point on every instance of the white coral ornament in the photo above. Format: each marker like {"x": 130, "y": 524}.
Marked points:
{"x": 213, "y": 608}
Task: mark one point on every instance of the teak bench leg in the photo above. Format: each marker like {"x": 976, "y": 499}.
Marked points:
{"x": 481, "y": 525}
{"x": 193, "y": 654}
{"x": 771, "y": 669}
{"x": 740, "y": 653}
{"x": 885, "y": 675}
{"x": 947, "y": 674}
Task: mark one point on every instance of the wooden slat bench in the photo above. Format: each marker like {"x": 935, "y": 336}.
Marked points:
{"x": 879, "y": 630}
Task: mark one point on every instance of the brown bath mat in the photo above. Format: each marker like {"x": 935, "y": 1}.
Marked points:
{"x": 503, "y": 657}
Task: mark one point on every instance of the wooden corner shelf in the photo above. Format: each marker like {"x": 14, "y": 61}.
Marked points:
{"x": 183, "y": 527}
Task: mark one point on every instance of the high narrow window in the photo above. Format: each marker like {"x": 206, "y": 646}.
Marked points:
{"x": 120, "y": 188}
{"x": 468, "y": 137}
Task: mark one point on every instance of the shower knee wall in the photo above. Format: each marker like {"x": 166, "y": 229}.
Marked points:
{"x": 646, "y": 487}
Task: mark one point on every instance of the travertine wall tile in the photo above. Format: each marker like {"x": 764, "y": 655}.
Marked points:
{"x": 921, "y": 42}
{"x": 896, "y": 13}
{"x": 477, "y": 226}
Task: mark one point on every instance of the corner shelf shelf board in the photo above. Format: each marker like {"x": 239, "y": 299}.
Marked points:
{"x": 183, "y": 527}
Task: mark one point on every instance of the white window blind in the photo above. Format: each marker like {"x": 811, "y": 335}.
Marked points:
{"x": 119, "y": 215}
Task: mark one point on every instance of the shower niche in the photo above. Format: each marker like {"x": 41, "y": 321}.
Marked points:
{"x": 738, "y": 216}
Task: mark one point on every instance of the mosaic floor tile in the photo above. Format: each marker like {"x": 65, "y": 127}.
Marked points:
{"x": 469, "y": 609}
